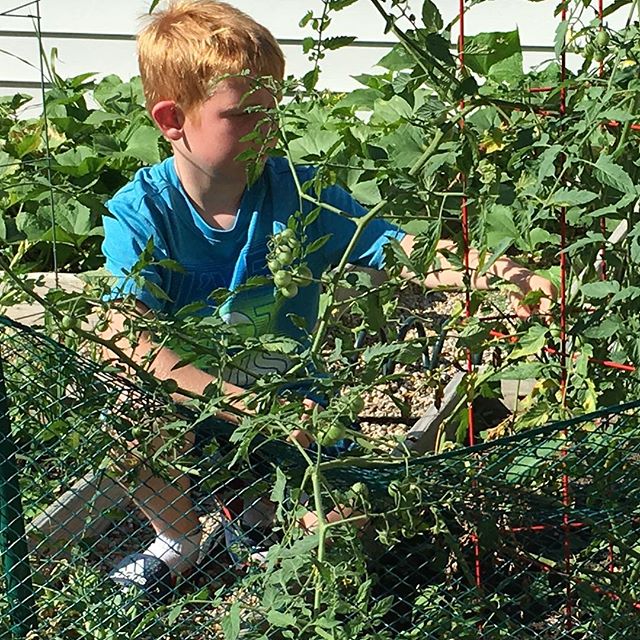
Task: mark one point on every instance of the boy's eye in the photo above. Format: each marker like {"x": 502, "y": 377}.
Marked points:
{"x": 239, "y": 114}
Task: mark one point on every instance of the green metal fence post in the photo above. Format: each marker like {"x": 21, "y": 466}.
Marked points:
{"x": 13, "y": 542}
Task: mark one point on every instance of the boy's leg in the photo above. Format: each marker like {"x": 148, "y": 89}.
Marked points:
{"x": 164, "y": 500}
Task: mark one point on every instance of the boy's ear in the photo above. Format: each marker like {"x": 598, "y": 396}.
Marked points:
{"x": 170, "y": 119}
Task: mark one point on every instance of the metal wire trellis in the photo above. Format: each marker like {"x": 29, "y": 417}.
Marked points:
{"x": 499, "y": 503}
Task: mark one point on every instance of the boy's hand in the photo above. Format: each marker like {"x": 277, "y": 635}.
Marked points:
{"x": 302, "y": 437}
{"x": 530, "y": 283}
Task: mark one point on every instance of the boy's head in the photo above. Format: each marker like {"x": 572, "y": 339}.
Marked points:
{"x": 184, "y": 50}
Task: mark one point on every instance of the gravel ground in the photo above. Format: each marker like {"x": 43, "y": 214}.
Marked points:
{"x": 415, "y": 388}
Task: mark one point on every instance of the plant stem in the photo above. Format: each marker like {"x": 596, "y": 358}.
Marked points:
{"x": 361, "y": 223}
{"x": 414, "y": 51}
{"x": 322, "y": 532}
{"x": 624, "y": 136}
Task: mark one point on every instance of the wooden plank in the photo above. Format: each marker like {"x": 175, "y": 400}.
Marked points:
{"x": 81, "y": 511}
{"x": 32, "y": 313}
{"x": 425, "y": 435}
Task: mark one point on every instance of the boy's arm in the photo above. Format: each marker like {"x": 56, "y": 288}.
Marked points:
{"x": 165, "y": 364}
{"x": 503, "y": 268}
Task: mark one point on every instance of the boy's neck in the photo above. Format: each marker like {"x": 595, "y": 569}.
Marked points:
{"x": 216, "y": 199}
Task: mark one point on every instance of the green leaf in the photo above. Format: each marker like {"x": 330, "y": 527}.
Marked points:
{"x": 304, "y": 21}
{"x": 8, "y": 165}
{"x": 398, "y": 59}
{"x": 610, "y": 326}
{"x": 547, "y": 166}
{"x": 29, "y": 142}
{"x": 366, "y": 192}
{"x": 500, "y": 226}
{"x": 315, "y": 144}
{"x": 300, "y": 547}
{"x": 337, "y": 42}
{"x": 143, "y": 144}
{"x": 231, "y": 622}
{"x": 360, "y": 98}
{"x": 277, "y": 493}
{"x": 520, "y": 371}
{"x": 318, "y": 243}
{"x": 571, "y": 197}
{"x": 79, "y": 161}
{"x": 392, "y": 110}
{"x": 431, "y": 17}
{"x": 106, "y": 145}
{"x": 498, "y": 251}
{"x": 613, "y": 174}
{"x": 539, "y": 236}
{"x": 338, "y": 5}
{"x": 626, "y": 294}
{"x": 435, "y": 162}
{"x": 600, "y": 289}
{"x": 310, "y": 79}
{"x": 530, "y": 343}
{"x": 619, "y": 115}
{"x": 323, "y": 634}
{"x": 499, "y": 50}
{"x": 308, "y": 44}
{"x": 278, "y": 619}
{"x": 96, "y": 118}
{"x": 561, "y": 38}
{"x": 405, "y": 145}
{"x": 78, "y": 219}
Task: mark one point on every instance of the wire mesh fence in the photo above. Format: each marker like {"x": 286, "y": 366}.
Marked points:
{"x": 529, "y": 536}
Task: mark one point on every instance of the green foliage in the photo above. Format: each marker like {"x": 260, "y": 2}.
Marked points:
{"x": 524, "y": 160}
{"x": 96, "y": 136}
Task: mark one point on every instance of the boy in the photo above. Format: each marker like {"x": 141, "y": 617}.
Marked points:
{"x": 199, "y": 211}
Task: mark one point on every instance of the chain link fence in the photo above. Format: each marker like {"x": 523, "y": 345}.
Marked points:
{"x": 531, "y": 536}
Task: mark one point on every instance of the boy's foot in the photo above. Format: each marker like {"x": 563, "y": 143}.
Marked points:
{"x": 154, "y": 573}
{"x": 148, "y": 574}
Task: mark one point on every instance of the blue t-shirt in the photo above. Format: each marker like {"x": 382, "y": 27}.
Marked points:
{"x": 155, "y": 206}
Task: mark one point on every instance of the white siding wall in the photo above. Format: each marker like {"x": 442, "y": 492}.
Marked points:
{"x": 113, "y": 53}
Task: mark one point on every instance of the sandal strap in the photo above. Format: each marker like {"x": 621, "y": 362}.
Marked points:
{"x": 147, "y": 573}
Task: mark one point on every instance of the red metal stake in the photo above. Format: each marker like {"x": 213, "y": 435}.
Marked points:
{"x": 466, "y": 243}
{"x": 566, "y": 497}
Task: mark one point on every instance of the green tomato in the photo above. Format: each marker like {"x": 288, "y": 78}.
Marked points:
{"x": 137, "y": 432}
{"x": 284, "y": 257}
{"x": 67, "y": 322}
{"x": 602, "y": 39}
{"x": 599, "y": 56}
{"x": 170, "y": 385}
{"x": 102, "y": 326}
{"x": 290, "y": 291}
{"x": 589, "y": 50}
{"x": 303, "y": 276}
{"x": 331, "y": 434}
{"x": 360, "y": 490}
{"x": 274, "y": 265}
{"x": 287, "y": 234}
{"x": 282, "y": 279}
